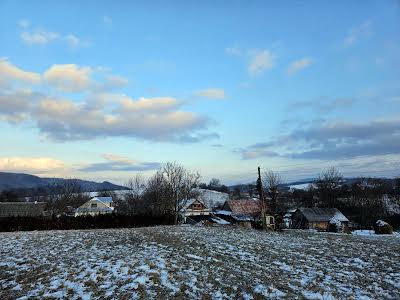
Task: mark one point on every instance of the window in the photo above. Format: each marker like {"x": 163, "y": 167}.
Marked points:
{"x": 93, "y": 205}
{"x": 197, "y": 206}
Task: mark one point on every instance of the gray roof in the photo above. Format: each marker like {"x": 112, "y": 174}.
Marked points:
{"x": 322, "y": 214}
{"x": 105, "y": 200}
{"x": 22, "y": 209}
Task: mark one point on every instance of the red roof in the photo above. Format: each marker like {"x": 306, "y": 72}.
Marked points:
{"x": 244, "y": 207}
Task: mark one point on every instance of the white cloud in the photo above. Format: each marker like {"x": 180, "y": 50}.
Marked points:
{"x": 57, "y": 119}
{"x": 117, "y": 163}
{"x": 15, "y": 105}
{"x": 148, "y": 104}
{"x": 69, "y": 77}
{"x": 212, "y": 93}
{"x": 100, "y": 113}
{"x": 9, "y": 72}
{"x": 298, "y": 65}
{"x": 113, "y": 82}
{"x": 40, "y": 37}
{"x": 118, "y": 158}
{"x": 260, "y": 61}
{"x": 356, "y": 33}
{"x": 35, "y": 165}
{"x": 75, "y": 42}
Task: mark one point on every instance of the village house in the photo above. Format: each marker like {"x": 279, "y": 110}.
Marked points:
{"x": 211, "y": 199}
{"x": 22, "y": 209}
{"x": 244, "y": 212}
{"x": 96, "y": 206}
{"x": 194, "y": 210}
{"x": 318, "y": 218}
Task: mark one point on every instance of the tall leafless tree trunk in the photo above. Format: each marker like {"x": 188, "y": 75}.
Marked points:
{"x": 272, "y": 180}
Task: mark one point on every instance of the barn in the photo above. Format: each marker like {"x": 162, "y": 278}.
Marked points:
{"x": 318, "y": 218}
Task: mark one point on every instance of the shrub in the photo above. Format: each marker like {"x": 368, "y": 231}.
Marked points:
{"x": 381, "y": 227}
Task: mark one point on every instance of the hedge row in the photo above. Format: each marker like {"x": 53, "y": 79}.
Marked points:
{"x": 84, "y": 222}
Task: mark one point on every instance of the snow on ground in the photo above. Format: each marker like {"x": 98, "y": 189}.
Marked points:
{"x": 302, "y": 186}
{"x": 364, "y": 232}
{"x": 192, "y": 262}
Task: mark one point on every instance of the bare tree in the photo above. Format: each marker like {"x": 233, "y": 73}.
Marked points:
{"x": 157, "y": 196}
{"x": 67, "y": 193}
{"x": 214, "y": 183}
{"x": 133, "y": 196}
{"x": 180, "y": 182}
{"x": 271, "y": 181}
{"x": 328, "y": 184}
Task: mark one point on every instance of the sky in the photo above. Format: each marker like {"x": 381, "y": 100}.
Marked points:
{"x": 103, "y": 90}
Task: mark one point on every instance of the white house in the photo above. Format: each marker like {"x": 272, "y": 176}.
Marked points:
{"x": 96, "y": 206}
{"x": 194, "y": 207}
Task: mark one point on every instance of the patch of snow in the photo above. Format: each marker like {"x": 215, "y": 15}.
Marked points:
{"x": 302, "y": 186}
{"x": 220, "y": 221}
{"x": 381, "y": 223}
{"x": 363, "y": 232}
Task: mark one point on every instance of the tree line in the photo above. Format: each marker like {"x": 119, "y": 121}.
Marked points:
{"x": 364, "y": 199}
{"x": 169, "y": 189}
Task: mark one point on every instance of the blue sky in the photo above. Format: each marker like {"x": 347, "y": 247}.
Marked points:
{"x": 105, "y": 89}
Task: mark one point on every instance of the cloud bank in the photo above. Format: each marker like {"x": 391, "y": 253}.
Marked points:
{"x": 121, "y": 164}
{"x": 332, "y": 140}
{"x": 100, "y": 113}
{"x": 36, "y": 165}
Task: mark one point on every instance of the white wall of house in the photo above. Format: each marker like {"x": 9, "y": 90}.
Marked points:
{"x": 94, "y": 207}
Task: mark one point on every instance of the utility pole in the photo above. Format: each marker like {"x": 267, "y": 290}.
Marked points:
{"x": 262, "y": 199}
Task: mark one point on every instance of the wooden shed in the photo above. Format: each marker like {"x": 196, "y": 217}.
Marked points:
{"x": 318, "y": 218}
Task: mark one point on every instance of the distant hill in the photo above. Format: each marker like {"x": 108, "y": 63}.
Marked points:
{"x": 298, "y": 184}
{"x": 10, "y": 181}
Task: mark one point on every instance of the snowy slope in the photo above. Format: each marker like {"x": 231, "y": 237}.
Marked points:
{"x": 192, "y": 262}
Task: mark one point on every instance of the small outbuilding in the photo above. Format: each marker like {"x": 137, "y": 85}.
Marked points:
{"x": 318, "y": 218}
{"x": 96, "y": 206}
{"x": 244, "y": 212}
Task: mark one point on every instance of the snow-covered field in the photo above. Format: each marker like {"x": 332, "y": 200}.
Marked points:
{"x": 179, "y": 262}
